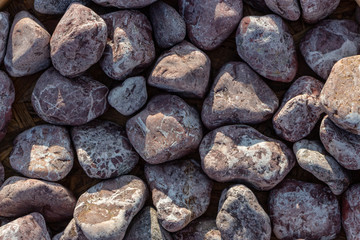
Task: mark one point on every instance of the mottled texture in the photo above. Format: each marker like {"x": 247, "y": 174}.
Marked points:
{"x": 4, "y": 32}
{"x": 124, "y": 3}
{"x": 184, "y": 69}
{"x": 71, "y": 232}
{"x": 167, "y": 129}
{"x": 351, "y": 212}
{"x": 241, "y": 153}
{"x": 288, "y": 9}
{"x": 315, "y": 10}
{"x": 265, "y": 43}
{"x": 199, "y": 229}
{"x": 55, "y": 6}
{"x": 7, "y": 98}
{"x": 180, "y": 192}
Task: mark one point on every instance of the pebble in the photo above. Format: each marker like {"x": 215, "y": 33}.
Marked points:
{"x": 288, "y": 9}
{"x": 124, "y": 3}
{"x": 71, "y": 232}
{"x": 4, "y": 33}
{"x": 351, "y": 212}
{"x": 199, "y": 229}
{"x": 7, "y": 98}
{"x": 315, "y": 10}
{"x": 55, "y": 6}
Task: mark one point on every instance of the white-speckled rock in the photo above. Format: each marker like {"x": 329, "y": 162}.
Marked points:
{"x": 55, "y": 6}
{"x": 315, "y": 10}
{"x": 199, "y": 229}
{"x": 71, "y": 232}
{"x": 124, "y": 3}
{"x": 288, "y": 9}
{"x": 4, "y": 32}
{"x": 7, "y": 98}
{"x": 351, "y": 212}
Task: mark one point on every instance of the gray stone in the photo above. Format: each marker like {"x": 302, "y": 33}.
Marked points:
{"x": 55, "y": 6}
{"x": 199, "y": 229}
{"x": 351, "y": 212}
{"x": 124, "y": 3}
{"x": 7, "y": 98}
{"x": 288, "y": 9}
{"x": 315, "y": 10}
{"x": 4, "y": 33}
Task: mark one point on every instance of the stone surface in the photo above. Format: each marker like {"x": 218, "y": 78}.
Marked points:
{"x": 265, "y": 43}
{"x": 241, "y": 153}
{"x": 288, "y": 9}
{"x": 19, "y": 196}
{"x": 103, "y": 149}
{"x": 180, "y": 192}
{"x": 43, "y": 152}
{"x": 105, "y": 210}
{"x": 351, "y": 212}
{"x": 240, "y": 215}
{"x": 7, "y": 98}
{"x": 124, "y": 3}
{"x": 184, "y": 69}
{"x": 301, "y": 210}
{"x": 315, "y": 10}
{"x": 4, "y": 32}
{"x": 28, "y": 49}
{"x": 199, "y": 229}
{"x": 55, "y": 6}
{"x": 300, "y": 109}
{"x": 328, "y": 42}
{"x": 59, "y": 100}
{"x": 130, "y": 47}
{"x": 167, "y": 129}
{"x": 130, "y": 96}
{"x": 78, "y": 41}
{"x": 71, "y": 232}
{"x": 210, "y": 22}
{"x": 238, "y": 95}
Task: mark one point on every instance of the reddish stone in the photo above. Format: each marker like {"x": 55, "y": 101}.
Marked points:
{"x": 7, "y": 98}
{"x": 351, "y": 212}
{"x": 315, "y": 10}
{"x": 55, "y": 6}
{"x": 199, "y": 229}
{"x": 288, "y": 9}
{"x": 124, "y": 3}
{"x": 4, "y": 32}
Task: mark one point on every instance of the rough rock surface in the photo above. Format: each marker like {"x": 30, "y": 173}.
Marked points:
{"x": 265, "y": 43}
{"x": 180, "y": 192}
{"x": 351, "y": 212}
{"x": 71, "y": 232}
{"x": 315, "y": 10}
{"x": 210, "y": 22}
{"x": 184, "y": 69}
{"x": 238, "y": 95}
{"x": 55, "y": 6}
{"x": 301, "y": 210}
{"x": 4, "y": 32}
{"x": 130, "y": 47}
{"x": 124, "y": 3}
{"x": 78, "y": 41}
{"x": 241, "y": 153}
{"x": 7, "y": 98}
{"x": 199, "y": 229}
{"x": 105, "y": 210}
{"x": 167, "y": 129}
{"x": 288, "y": 9}
{"x": 59, "y": 100}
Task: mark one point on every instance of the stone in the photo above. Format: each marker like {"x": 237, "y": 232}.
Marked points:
{"x": 315, "y": 10}
{"x": 167, "y": 129}
{"x": 55, "y": 6}
{"x": 266, "y": 44}
{"x": 7, "y": 98}
{"x": 105, "y": 210}
{"x": 180, "y": 192}
{"x": 301, "y": 210}
{"x": 44, "y": 152}
{"x": 169, "y": 27}
{"x": 210, "y": 22}
{"x": 300, "y": 109}
{"x": 103, "y": 149}
{"x": 20, "y": 196}
{"x": 288, "y": 9}
{"x": 312, "y": 157}
{"x": 59, "y": 100}
{"x": 4, "y": 32}
{"x": 130, "y": 96}
{"x": 124, "y": 3}
{"x": 199, "y": 229}
{"x": 328, "y": 42}
{"x": 351, "y": 212}
{"x": 184, "y": 69}
{"x": 241, "y": 153}
{"x": 130, "y": 48}
{"x": 71, "y": 232}
{"x": 238, "y": 95}
{"x": 259, "y": 5}
{"x": 28, "y": 49}
{"x": 78, "y": 41}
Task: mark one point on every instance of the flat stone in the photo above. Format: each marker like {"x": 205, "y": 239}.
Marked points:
{"x": 78, "y": 41}
{"x": 184, "y": 69}
{"x": 288, "y": 9}
{"x": 124, "y": 3}
{"x": 315, "y": 10}
{"x": 71, "y": 232}
{"x": 59, "y": 100}
{"x": 4, "y": 33}
{"x": 351, "y": 212}
{"x": 241, "y": 153}
{"x": 238, "y": 95}
{"x": 43, "y": 152}
{"x": 167, "y": 129}
{"x": 7, "y": 98}
{"x": 199, "y": 229}
{"x": 266, "y": 44}
{"x": 55, "y": 6}
{"x": 180, "y": 192}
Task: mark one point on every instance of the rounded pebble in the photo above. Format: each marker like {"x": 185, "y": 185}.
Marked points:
{"x": 124, "y": 3}
{"x": 7, "y": 98}
{"x": 315, "y": 10}
{"x": 288, "y": 9}
{"x": 4, "y": 33}
{"x": 55, "y": 6}
{"x": 351, "y": 212}
{"x": 199, "y": 229}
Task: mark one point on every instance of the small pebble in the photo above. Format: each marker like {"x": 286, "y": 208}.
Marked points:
{"x": 199, "y": 229}
{"x": 288, "y": 9}
{"x": 4, "y": 33}
{"x": 7, "y": 98}
{"x": 124, "y": 3}
{"x": 351, "y": 212}
{"x": 315, "y": 10}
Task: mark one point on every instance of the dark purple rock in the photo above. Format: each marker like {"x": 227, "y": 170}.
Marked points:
{"x": 4, "y": 32}
{"x": 71, "y": 232}
{"x": 55, "y": 6}
{"x": 7, "y": 98}
{"x": 315, "y": 10}
{"x": 124, "y": 3}
{"x": 288, "y": 9}
{"x": 199, "y": 229}
{"x": 351, "y": 212}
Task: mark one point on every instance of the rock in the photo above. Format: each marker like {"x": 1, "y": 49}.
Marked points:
{"x": 105, "y": 210}
{"x": 167, "y": 129}
{"x": 124, "y": 3}
{"x": 43, "y": 152}
{"x": 184, "y": 69}
{"x": 103, "y": 149}
{"x": 28, "y": 49}
{"x": 312, "y": 157}
{"x": 180, "y": 192}
{"x": 288, "y": 9}
{"x": 59, "y": 100}
{"x": 238, "y": 95}
{"x": 4, "y": 32}
{"x": 71, "y": 232}
{"x": 169, "y": 27}
{"x": 2, "y": 177}
{"x": 55, "y": 6}
{"x": 351, "y": 212}
{"x": 199, "y": 229}
{"x": 210, "y": 22}
{"x": 7, "y": 98}
{"x": 240, "y": 215}
{"x": 130, "y": 96}
{"x": 300, "y": 109}
{"x": 265, "y": 43}
{"x": 259, "y": 5}
{"x": 130, "y": 47}
{"x": 241, "y": 153}
{"x": 78, "y": 41}
{"x": 315, "y": 10}
{"x": 301, "y": 210}
{"x": 19, "y": 196}
{"x": 328, "y": 42}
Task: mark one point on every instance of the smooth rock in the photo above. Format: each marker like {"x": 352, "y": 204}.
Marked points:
{"x": 71, "y": 232}
{"x": 55, "y": 6}
{"x": 199, "y": 229}
{"x": 124, "y": 3}
{"x": 288, "y": 9}
{"x": 351, "y": 212}
{"x": 4, "y": 32}
{"x": 315, "y": 10}
{"x": 7, "y": 98}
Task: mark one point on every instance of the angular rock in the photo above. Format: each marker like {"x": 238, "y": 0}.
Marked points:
{"x": 288, "y": 9}
{"x": 105, "y": 210}
{"x": 28, "y": 49}
{"x": 7, "y": 98}
{"x": 199, "y": 229}
{"x": 4, "y": 32}
{"x": 167, "y": 129}
{"x": 259, "y": 5}
{"x": 351, "y": 212}
{"x": 59, "y": 100}
{"x": 180, "y": 192}
{"x": 78, "y": 41}
{"x": 315, "y": 10}
{"x": 55, "y": 6}
{"x": 238, "y": 95}
{"x": 241, "y": 153}
{"x": 265, "y": 43}
{"x": 124, "y": 3}
{"x": 130, "y": 47}
{"x": 71, "y": 232}
{"x": 184, "y": 69}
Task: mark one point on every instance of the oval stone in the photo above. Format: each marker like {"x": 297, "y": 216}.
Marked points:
{"x": 124, "y": 3}
{"x": 199, "y": 229}
{"x": 315, "y": 10}
{"x": 55, "y": 6}
{"x": 351, "y": 212}
{"x": 7, "y": 98}
{"x": 4, "y": 32}
{"x": 288, "y": 9}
